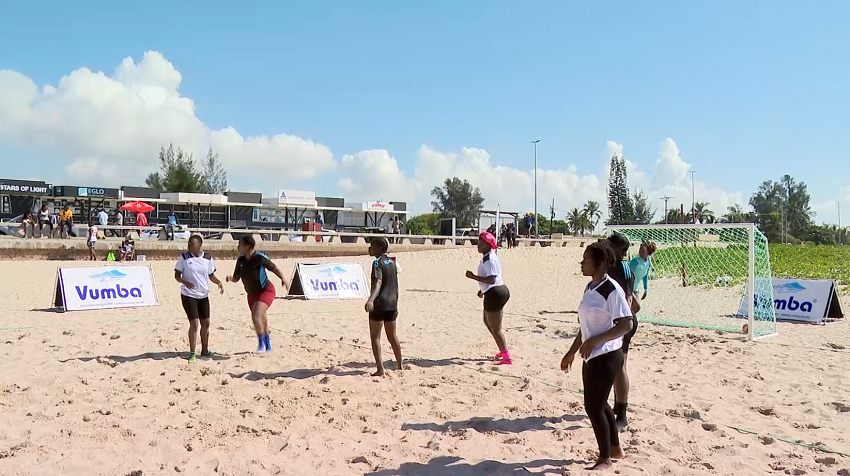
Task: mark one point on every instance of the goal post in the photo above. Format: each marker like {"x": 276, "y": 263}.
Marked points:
{"x": 707, "y": 276}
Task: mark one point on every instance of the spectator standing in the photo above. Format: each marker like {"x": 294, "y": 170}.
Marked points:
{"x": 119, "y": 221}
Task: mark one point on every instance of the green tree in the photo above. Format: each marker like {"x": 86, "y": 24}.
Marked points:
{"x": 179, "y": 172}
{"x": 702, "y": 212}
{"x": 578, "y": 221}
{"x": 560, "y": 226}
{"x": 214, "y": 175}
{"x": 620, "y": 206}
{"x": 674, "y": 215}
{"x": 782, "y": 209}
{"x": 593, "y": 213}
{"x": 736, "y": 214}
{"x": 424, "y": 224}
{"x": 644, "y": 213}
{"x": 458, "y": 199}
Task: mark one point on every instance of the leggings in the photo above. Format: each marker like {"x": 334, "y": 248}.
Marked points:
{"x": 597, "y": 375}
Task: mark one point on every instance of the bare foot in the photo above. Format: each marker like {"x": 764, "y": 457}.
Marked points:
{"x": 399, "y": 366}
{"x": 379, "y": 373}
{"x": 617, "y": 453}
{"x": 602, "y": 465}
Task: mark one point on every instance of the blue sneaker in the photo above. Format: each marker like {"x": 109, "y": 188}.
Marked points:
{"x": 261, "y": 343}
{"x": 268, "y": 341}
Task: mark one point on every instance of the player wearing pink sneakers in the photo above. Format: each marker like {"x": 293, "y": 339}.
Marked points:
{"x": 493, "y": 291}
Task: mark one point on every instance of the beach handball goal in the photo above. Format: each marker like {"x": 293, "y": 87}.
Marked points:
{"x": 700, "y": 272}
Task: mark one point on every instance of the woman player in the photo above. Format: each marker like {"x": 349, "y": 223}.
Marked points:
{"x": 493, "y": 291}
{"x": 193, "y": 270}
{"x": 251, "y": 268}
{"x": 605, "y": 317}
{"x": 640, "y": 266}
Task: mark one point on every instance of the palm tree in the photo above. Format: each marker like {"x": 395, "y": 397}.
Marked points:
{"x": 703, "y": 213}
{"x": 593, "y": 213}
{"x": 735, "y": 214}
{"x": 577, "y": 221}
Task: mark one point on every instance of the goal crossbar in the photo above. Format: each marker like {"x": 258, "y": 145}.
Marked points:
{"x": 754, "y": 238}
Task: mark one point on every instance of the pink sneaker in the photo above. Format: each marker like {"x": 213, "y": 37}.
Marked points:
{"x": 504, "y": 358}
{"x": 500, "y": 355}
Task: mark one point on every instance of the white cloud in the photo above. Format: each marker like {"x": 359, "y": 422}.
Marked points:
{"x": 376, "y": 174}
{"x": 110, "y": 127}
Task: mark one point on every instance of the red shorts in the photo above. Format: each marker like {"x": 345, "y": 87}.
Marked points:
{"x": 267, "y": 296}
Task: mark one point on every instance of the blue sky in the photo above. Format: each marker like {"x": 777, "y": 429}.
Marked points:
{"x": 747, "y": 90}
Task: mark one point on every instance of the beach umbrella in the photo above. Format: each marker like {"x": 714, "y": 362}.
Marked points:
{"x": 137, "y": 207}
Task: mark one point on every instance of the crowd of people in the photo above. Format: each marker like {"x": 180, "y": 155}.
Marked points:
{"x": 607, "y": 314}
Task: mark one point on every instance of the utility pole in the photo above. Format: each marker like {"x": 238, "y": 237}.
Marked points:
{"x": 536, "y": 230}
{"x": 666, "y": 199}
{"x": 552, "y": 218}
{"x": 693, "y": 199}
{"x": 839, "y": 222}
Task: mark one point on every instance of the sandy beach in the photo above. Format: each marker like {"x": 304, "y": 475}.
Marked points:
{"x": 111, "y": 392}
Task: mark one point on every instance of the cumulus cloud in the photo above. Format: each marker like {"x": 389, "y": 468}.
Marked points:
{"x": 111, "y": 126}
{"x": 374, "y": 174}
{"x": 107, "y": 129}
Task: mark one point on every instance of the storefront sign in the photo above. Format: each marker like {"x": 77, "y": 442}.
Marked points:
{"x": 296, "y": 198}
{"x": 379, "y": 207}
{"x": 85, "y": 192}
{"x": 23, "y": 187}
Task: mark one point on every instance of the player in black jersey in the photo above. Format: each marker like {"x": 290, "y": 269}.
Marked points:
{"x": 382, "y": 305}
{"x": 622, "y": 273}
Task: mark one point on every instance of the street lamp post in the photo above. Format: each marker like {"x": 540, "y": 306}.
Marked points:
{"x": 536, "y": 230}
{"x": 693, "y": 199}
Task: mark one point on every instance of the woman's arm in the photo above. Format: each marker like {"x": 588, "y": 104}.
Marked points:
{"x": 621, "y": 328}
{"x": 576, "y": 344}
{"x": 481, "y": 279}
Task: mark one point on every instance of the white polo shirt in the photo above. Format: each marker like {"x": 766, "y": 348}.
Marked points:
{"x": 196, "y": 269}
{"x": 490, "y": 265}
{"x": 600, "y": 306}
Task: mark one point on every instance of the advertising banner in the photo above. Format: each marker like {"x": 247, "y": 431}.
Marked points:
{"x": 105, "y": 287}
{"x": 330, "y": 281}
{"x": 803, "y": 300}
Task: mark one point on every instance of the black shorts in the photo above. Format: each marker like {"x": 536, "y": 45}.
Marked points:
{"x": 627, "y": 339}
{"x": 495, "y": 298}
{"x": 383, "y": 316}
{"x": 196, "y": 308}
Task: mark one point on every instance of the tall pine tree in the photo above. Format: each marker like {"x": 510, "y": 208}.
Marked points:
{"x": 621, "y": 210}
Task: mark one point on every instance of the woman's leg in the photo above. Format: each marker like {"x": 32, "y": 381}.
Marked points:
{"x": 494, "y": 321}
{"x": 261, "y": 322}
{"x": 598, "y": 378}
{"x": 375, "y": 327}
{"x": 390, "y": 327}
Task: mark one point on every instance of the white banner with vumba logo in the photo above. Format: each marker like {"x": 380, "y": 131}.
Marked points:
{"x": 330, "y": 281}
{"x": 803, "y": 300}
{"x": 105, "y": 287}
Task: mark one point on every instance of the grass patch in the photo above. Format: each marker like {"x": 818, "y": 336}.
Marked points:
{"x": 711, "y": 266}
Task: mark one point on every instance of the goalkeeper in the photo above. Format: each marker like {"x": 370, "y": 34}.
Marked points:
{"x": 641, "y": 266}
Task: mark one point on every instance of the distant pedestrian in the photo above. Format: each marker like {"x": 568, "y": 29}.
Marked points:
{"x": 44, "y": 218}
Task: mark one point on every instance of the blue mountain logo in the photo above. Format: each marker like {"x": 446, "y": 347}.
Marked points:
{"x": 789, "y": 288}
{"x": 334, "y": 269}
{"x": 112, "y": 275}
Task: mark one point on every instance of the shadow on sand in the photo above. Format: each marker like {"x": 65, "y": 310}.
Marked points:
{"x": 500, "y": 425}
{"x": 297, "y": 374}
{"x": 455, "y": 466}
{"x": 423, "y": 363}
{"x": 123, "y": 359}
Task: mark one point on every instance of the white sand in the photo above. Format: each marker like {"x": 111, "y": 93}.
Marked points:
{"x": 105, "y": 392}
